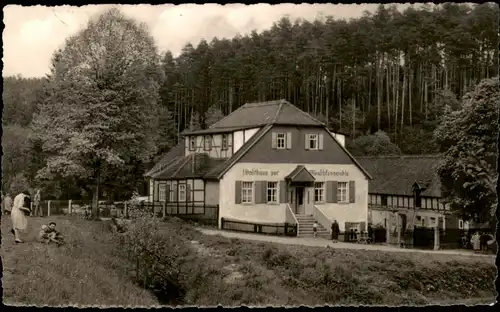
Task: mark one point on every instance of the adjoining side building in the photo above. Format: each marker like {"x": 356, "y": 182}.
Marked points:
{"x": 408, "y": 186}
{"x": 265, "y": 163}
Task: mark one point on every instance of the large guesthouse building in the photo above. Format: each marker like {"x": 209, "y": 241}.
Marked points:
{"x": 265, "y": 163}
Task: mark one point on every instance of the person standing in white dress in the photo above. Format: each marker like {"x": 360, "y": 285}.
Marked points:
{"x": 20, "y": 208}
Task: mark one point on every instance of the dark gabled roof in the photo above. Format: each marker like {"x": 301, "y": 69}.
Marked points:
{"x": 300, "y": 174}
{"x": 219, "y": 170}
{"x": 191, "y": 166}
{"x": 397, "y": 174}
{"x": 254, "y": 115}
{"x": 167, "y": 159}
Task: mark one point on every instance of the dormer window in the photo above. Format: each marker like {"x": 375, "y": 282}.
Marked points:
{"x": 192, "y": 143}
{"x": 207, "y": 143}
{"x": 224, "y": 142}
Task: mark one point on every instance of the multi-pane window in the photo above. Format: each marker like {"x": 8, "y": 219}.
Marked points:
{"x": 162, "y": 193}
{"x": 342, "y": 192}
{"x": 384, "y": 200}
{"x": 247, "y": 192}
{"x": 192, "y": 143}
{"x": 272, "y": 192}
{"x": 280, "y": 140}
{"x": 224, "y": 142}
{"x": 319, "y": 192}
{"x": 207, "y": 143}
{"x": 313, "y": 141}
{"x": 182, "y": 192}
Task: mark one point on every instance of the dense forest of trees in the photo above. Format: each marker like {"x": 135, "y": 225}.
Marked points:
{"x": 383, "y": 71}
{"x": 386, "y": 77}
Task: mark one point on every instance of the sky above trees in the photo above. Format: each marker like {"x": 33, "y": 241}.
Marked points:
{"x": 33, "y": 34}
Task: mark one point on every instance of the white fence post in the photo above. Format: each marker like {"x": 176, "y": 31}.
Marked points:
{"x": 70, "y": 208}
{"x": 436, "y": 238}
{"x": 48, "y": 208}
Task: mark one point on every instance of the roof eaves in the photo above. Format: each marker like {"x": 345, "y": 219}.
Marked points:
{"x": 247, "y": 146}
{"x": 350, "y": 156}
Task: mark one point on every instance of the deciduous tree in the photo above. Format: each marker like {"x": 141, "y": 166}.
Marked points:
{"x": 468, "y": 138}
{"x": 102, "y": 111}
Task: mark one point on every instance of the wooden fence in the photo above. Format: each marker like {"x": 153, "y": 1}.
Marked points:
{"x": 261, "y": 228}
{"x": 206, "y": 214}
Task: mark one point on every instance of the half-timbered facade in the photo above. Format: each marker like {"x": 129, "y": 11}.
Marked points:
{"x": 407, "y": 187}
{"x": 265, "y": 163}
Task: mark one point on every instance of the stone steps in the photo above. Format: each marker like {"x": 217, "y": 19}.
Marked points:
{"x": 306, "y": 227}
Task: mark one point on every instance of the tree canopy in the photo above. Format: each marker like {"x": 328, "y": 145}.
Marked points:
{"x": 468, "y": 138}
{"x": 101, "y": 114}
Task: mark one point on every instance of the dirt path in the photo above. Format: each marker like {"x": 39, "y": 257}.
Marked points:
{"x": 321, "y": 242}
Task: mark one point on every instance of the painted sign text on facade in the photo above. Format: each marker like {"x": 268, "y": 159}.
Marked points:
{"x": 325, "y": 172}
{"x": 257, "y": 172}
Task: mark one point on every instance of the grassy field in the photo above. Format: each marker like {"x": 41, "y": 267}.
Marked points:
{"x": 216, "y": 270}
{"x": 85, "y": 271}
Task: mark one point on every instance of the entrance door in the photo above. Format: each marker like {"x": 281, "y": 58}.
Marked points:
{"x": 299, "y": 200}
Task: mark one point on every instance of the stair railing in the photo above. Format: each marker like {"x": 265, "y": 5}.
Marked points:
{"x": 291, "y": 215}
{"x": 322, "y": 219}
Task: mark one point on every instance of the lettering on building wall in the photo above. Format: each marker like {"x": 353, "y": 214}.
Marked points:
{"x": 329, "y": 173}
{"x": 257, "y": 172}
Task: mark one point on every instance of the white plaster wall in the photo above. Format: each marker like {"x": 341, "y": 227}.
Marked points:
{"x": 340, "y": 138}
{"x": 378, "y": 216}
{"x": 350, "y": 212}
{"x": 241, "y": 137}
{"x": 237, "y": 140}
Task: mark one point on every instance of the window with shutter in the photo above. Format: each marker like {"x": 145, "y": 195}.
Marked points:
{"x": 313, "y": 142}
{"x": 289, "y": 140}
{"x": 352, "y": 192}
{"x": 237, "y": 192}
{"x": 192, "y": 143}
{"x": 320, "y": 142}
{"x": 224, "y": 142}
{"x": 274, "y": 140}
{"x": 272, "y": 192}
{"x": 247, "y": 192}
{"x": 280, "y": 141}
{"x": 342, "y": 190}
{"x": 162, "y": 192}
{"x": 282, "y": 192}
{"x": 182, "y": 192}
{"x": 319, "y": 192}
{"x": 207, "y": 144}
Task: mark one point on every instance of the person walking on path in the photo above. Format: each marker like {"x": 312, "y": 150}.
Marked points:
{"x": 476, "y": 244}
{"x": 335, "y": 231}
{"x": 18, "y": 215}
{"x": 37, "y": 209}
{"x": 7, "y": 204}
{"x": 315, "y": 229}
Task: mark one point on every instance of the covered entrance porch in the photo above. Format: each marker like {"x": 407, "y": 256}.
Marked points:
{"x": 300, "y": 191}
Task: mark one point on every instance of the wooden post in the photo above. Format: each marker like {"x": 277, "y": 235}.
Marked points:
{"x": 32, "y": 213}
{"x": 398, "y": 229}
{"x": 70, "y": 208}
{"x": 125, "y": 208}
{"x": 164, "y": 209}
{"x": 48, "y": 208}
{"x": 388, "y": 228}
{"x": 436, "y": 237}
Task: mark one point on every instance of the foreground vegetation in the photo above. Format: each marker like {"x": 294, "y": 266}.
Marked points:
{"x": 85, "y": 271}
{"x": 184, "y": 267}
